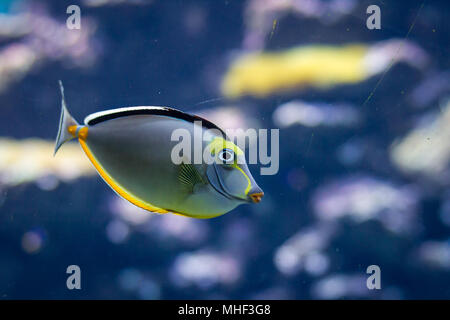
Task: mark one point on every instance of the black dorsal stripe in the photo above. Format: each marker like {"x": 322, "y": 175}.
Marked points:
{"x": 160, "y": 111}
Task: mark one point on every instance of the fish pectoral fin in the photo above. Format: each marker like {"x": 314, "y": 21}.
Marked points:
{"x": 189, "y": 176}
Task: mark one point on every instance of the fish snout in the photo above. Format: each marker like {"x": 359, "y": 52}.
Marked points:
{"x": 256, "y": 196}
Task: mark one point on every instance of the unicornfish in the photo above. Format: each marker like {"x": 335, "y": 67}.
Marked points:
{"x": 132, "y": 150}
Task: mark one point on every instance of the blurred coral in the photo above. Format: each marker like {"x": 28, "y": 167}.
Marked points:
{"x": 364, "y": 198}
{"x": 264, "y": 73}
{"x": 312, "y": 114}
{"x": 426, "y": 149}
{"x": 434, "y": 86}
{"x": 338, "y": 286}
{"x": 168, "y": 226}
{"x": 32, "y": 160}
{"x": 303, "y": 251}
{"x": 205, "y": 269}
{"x": 435, "y": 254}
{"x": 39, "y": 38}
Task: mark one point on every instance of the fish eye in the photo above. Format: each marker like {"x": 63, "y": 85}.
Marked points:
{"x": 226, "y": 156}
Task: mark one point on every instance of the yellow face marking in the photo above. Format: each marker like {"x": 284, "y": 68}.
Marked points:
{"x": 249, "y": 183}
{"x": 218, "y": 144}
{"x": 115, "y": 186}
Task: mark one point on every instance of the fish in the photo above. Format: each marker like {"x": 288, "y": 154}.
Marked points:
{"x": 131, "y": 148}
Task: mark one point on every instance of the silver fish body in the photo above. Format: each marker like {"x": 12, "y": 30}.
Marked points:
{"x": 131, "y": 148}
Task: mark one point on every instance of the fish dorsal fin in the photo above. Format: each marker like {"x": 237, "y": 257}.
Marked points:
{"x": 189, "y": 176}
{"x": 102, "y": 116}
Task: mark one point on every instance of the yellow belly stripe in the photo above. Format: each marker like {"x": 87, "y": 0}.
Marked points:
{"x": 117, "y": 187}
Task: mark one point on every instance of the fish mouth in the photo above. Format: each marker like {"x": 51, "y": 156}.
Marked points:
{"x": 222, "y": 189}
{"x": 256, "y": 197}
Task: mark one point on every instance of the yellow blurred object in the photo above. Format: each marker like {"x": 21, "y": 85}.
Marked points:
{"x": 261, "y": 74}
{"x": 32, "y": 159}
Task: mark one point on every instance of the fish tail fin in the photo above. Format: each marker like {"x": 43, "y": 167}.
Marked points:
{"x": 65, "y": 122}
